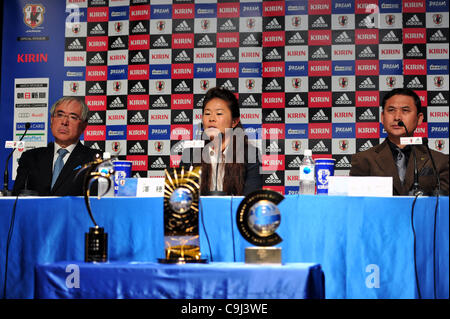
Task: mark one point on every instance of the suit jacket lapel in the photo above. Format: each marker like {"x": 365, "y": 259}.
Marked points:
{"x": 46, "y": 166}
{"x": 385, "y": 162}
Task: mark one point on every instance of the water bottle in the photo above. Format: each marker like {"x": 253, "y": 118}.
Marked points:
{"x": 307, "y": 175}
{"x": 105, "y": 168}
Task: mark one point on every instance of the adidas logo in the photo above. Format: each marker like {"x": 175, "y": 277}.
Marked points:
{"x": 139, "y": 28}
{"x": 295, "y": 163}
{"x": 343, "y": 163}
{"x": 414, "y": 21}
{"x": 320, "y": 85}
{"x": 367, "y": 115}
{"x": 415, "y": 84}
{"x": 205, "y": 41}
{"x": 183, "y": 27}
{"x": 96, "y": 89}
{"x": 296, "y": 101}
{"x": 200, "y": 102}
{"x": 228, "y": 85}
{"x": 390, "y": 37}
{"x": 273, "y": 117}
{"x": 75, "y": 45}
{"x": 118, "y": 44}
{"x": 160, "y": 42}
{"x": 227, "y": 56}
{"x": 116, "y": 103}
{"x": 367, "y": 84}
{"x": 182, "y": 87}
{"x": 95, "y": 119}
{"x": 273, "y": 148}
{"x": 96, "y": 59}
{"x": 367, "y": 22}
{"x": 343, "y": 38}
{"x": 95, "y": 146}
{"x": 181, "y": 118}
{"x": 414, "y": 52}
{"x": 273, "y": 179}
{"x": 160, "y": 103}
{"x": 343, "y": 100}
{"x": 319, "y": 54}
{"x": 182, "y": 57}
{"x": 273, "y": 55}
{"x": 365, "y": 146}
{"x": 138, "y": 88}
{"x": 227, "y": 26}
{"x": 137, "y": 149}
{"x": 320, "y": 147}
{"x": 250, "y": 101}
{"x": 367, "y": 53}
{"x": 296, "y": 39}
{"x": 273, "y": 25}
{"x": 250, "y": 40}
{"x": 273, "y": 85}
{"x": 138, "y": 58}
{"x": 159, "y": 163}
{"x": 439, "y": 99}
{"x": 97, "y": 30}
{"x": 319, "y": 23}
{"x": 137, "y": 118}
{"x": 137, "y": 175}
{"x": 438, "y": 36}
{"x": 320, "y": 116}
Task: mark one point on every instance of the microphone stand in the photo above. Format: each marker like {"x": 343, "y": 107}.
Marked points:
{"x": 437, "y": 188}
{"x": 6, "y": 191}
{"x": 216, "y": 192}
{"x": 416, "y": 189}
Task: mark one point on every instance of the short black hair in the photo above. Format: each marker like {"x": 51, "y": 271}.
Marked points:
{"x": 227, "y": 96}
{"x": 403, "y": 91}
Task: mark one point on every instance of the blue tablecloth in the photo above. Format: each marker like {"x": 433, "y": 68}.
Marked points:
{"x": 120, "y": 280}
{"x": 364, "y": 244}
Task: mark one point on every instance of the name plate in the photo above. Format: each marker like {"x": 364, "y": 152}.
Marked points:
{"x": 416, "y": 140}
{"x": 141, "y": 187}
{"x": 372, "y": 186}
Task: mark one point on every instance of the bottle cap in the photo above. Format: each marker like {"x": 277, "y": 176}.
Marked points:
{"x": 308, "y": 153}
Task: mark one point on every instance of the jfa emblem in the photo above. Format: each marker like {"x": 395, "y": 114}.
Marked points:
{"x": 33, "y": 15}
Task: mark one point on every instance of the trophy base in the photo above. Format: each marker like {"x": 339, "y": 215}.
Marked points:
{"x": 182, "y": 261}
{"x": 263, "y": 255}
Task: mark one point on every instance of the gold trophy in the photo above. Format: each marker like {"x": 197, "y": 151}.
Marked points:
{"x": 181, "y": 209}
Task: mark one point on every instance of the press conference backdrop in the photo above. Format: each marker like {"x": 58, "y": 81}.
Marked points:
{"x": 308, "y": 74}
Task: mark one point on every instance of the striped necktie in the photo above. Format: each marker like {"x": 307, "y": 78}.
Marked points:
{"x": 401, "y": 165}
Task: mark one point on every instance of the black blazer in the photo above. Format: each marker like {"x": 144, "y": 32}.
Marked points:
{"x": 253, "y": 177}
{"x": 35, "y": 169}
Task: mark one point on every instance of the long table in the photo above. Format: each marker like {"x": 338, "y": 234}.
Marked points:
{"x": 363, "y": 244}
{"x": 217, "y": 280}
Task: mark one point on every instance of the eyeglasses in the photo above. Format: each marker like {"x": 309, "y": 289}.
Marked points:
{"x": 72, "y": 117}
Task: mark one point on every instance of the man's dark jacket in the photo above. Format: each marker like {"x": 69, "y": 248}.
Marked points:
{"x": 35, "y": 170}
{"x": 379, "y": 161}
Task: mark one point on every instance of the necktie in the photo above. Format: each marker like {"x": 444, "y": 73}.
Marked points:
{"x": 401, "y": 165}
{"x": 58, "y": 164}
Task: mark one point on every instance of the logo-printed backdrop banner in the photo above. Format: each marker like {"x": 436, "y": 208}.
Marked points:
{"x": 308, "y": 74}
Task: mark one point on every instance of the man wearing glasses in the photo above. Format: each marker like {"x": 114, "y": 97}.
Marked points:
{"x": 52, "y": 170}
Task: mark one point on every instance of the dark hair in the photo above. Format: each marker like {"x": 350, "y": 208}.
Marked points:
{"x": 235, "y": 173}
{"x": 403, "y": 91}
{"x": 225, "y": 95}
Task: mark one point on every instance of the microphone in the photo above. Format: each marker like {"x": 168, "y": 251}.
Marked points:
{"x": 437, "y": 189}
{"x": 416, "y": 190}
{"x": 5, "y": 190}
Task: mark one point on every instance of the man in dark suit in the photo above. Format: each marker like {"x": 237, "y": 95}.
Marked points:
{"x": 390, "y": 158}
{"x": 38, "y": 168}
